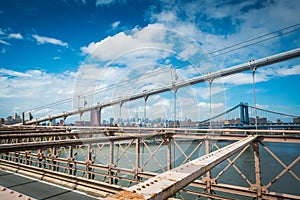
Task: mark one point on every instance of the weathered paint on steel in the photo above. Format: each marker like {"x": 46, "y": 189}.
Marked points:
{"x": 168, "y": 183}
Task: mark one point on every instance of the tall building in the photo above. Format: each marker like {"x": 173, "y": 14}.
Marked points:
{"x": 111, "y": 120}
{"x": 296, "y": 120}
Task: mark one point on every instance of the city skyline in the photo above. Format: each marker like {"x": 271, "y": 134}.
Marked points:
{"x": 56, "y": 50}
{"x": 241, "y": 114}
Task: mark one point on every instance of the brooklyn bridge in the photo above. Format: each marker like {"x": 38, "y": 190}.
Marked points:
{"x": 245, "y": 152}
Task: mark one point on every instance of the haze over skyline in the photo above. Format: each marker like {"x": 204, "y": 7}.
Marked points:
{"x": 55, "y": 50}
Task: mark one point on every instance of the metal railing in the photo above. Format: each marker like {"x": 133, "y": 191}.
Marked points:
{"x": 105, "y": 160}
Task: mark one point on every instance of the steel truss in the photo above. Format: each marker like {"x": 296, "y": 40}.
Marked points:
{"x": 117, "y": 158}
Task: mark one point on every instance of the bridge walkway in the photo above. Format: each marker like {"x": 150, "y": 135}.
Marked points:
{"x": 31, "y": 189}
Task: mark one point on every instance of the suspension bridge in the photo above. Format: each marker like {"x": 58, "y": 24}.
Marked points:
{"x": 160, "y": 163}
{"x": 243, "y": 116}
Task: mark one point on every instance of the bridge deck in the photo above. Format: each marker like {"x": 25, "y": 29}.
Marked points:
{"x": 7, "y": 194}
{"x": 21, "y": 187}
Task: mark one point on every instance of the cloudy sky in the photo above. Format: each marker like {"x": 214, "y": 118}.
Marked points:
{"x": 82, "y": 52}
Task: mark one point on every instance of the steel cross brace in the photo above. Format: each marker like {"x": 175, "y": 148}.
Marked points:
{"x": 168, "y": 183}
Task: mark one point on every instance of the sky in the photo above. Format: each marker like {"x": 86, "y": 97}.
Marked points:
{"x": 79, "y": 53}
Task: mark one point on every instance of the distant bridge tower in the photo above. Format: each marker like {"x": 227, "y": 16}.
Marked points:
{"x": 95, "y": 117}
{"x": 244, "y": 113}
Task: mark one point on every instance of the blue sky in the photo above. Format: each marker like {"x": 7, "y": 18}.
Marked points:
{"x": 59, "y": 49}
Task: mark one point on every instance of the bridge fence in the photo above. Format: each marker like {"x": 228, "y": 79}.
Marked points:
{"x": 106, "y": 160}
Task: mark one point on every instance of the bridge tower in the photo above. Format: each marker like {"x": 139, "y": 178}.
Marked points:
{"x": 244, "y": 113}
{"x": 95, "y": 117}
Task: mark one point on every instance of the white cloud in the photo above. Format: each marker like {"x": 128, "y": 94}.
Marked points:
{"x": 56, "y": 58}
{"x": 244, "y": 21}
{"x": 5, "y": 72}
{"x": 34, "y": 88}
{"x": 160, "y": 109}
{"x": 45, "y": 40}
{"x": 114, "y": 46}
{"x": 136, "y": 60}
{"x": 262, "y": 106}
{"x": 108, "y": 2}
{"x": 203, "y": 92}
{"x": 164, "y": 17}
{"x": 261, "y": 75}
{"x": 115, "y": 24}
{"x": 282, "y": 71}
{"x": 213, "y": 105}
{"x": 17, "y": 36}
{"x": 204, "y": 109}
{"x": 4, "y": 42}
{"x": 243, "y": 78}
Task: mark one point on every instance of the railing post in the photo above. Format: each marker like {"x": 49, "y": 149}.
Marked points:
{"x": 53, "y": 159}
{"x": 88, "y": 163}
{"x": 17, "y": 157}
{"x": 257, "y": 187}
{"x": 40, "y": 158}
{"x": 53, "y": 156}
{"x": 111, "y": 165}
{"x": 208, "y": 173}
{"x": 169, "y": 152}
{"x": 137, "y": 160}
{"x": 70, "y": 160}
{"x": 27, "y": 158}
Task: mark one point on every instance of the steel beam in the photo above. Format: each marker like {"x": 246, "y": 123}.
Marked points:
{"x": 168, "y": 183}
{"x": 60, "y": 143}
{"x": 235, "y": 137}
